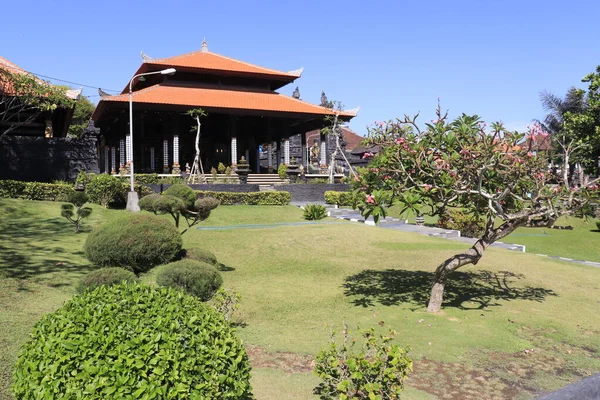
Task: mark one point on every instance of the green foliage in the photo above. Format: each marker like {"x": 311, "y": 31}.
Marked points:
{"x": 318, "y": 180}
{"x": 81, "y": 117}
{"x": 104, "y": 189}
{"x": 282, "y": 171}
{"x": 24, "y": 97}
{"x": 193, "y": 277}
{"x": 340, "y": 198}
{"x": 182, "y": 192}
{"x": 137, "y": 242}
{"x": 313, "y": 212}
{"x": 202, "y": 255}
{"x": 74, "y": 211}
{"x": 598, "y": 225}
{"x": 374, "y": 371}
{"x": 469, "y": 225}
{"x": 105, "y": 276}
{"x": 279, "y": 198}
{"x": 221, "y": 168}
{"x": 133, "y": 342}
{"x": 226, "y": 302}
{"x": 35, "y": 190}
{"x": 228, "y": 171}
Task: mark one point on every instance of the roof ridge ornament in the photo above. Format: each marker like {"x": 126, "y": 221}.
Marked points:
{"x": 297, "y": 72}
{"x": 103, "y": 94}
{"x": 296, "y": 93}
{"x": 204, "y": 46}
{"x": 145, "y": 57}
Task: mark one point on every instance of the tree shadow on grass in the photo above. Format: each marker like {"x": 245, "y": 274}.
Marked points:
{"x": 464, "y": 290}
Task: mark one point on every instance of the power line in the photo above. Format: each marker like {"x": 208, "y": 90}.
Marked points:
{"x": 60, "y": 80}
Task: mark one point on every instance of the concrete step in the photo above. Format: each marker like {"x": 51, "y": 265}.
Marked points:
{"x": 266, "y": 188}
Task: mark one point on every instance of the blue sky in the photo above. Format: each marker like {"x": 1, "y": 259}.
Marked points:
{"x": 486, "y": 57}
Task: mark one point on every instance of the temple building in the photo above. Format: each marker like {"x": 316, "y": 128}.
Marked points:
{"x": 246, "y": 116}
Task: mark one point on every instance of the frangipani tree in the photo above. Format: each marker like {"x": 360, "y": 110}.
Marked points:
{"x": 484, "y": 171}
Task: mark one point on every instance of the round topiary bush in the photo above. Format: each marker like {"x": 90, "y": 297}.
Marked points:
{"x": 193, "y": 277}
{"x": 201, "y": 255}
{"x": 137, "y": 242}
{"x": 105, "y": 276}
{"x": 183, "y": 192}
{"x": 133, "y": 341}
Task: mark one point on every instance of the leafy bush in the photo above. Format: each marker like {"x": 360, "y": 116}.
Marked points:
{"x": 374, "y": 371}
{"x": 105, "y": 276}
{"x": 598, "y": 225}
{"x": 201, "y": 255}
{"x": 74, "y": 211}
{"x": 193, "y": 277}
{"x": 137, "y": 242}
{"x": 133, "y": 342}
{"x": 313, "y": 212}
{"x": 340, "y": 198}
{"x": 182, "y": 192}
{"x": 221, "y": 168}
{"x": 282, "y": 171}
{"x": 35, "y": 190}
{"x": 250, "y": 198}
{"x": 469, "y": 225}
{"x": 104, "y": 189}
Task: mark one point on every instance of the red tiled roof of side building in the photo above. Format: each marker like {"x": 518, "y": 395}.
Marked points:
{"x": 209, "y": 97}
{"x": 212, "y": 61}
{"x": 352, "y": 139}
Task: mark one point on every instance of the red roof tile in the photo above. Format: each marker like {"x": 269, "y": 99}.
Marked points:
{"x": 210, "y": 97}
{"x": 212, "y": 61}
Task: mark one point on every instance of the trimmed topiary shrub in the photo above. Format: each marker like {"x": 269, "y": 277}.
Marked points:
{"x": 193, "y": 277}
{"x": 35, "y": 190}
{"x": 104, "y": 189}
{"x": 340, "y": 198}
{"x": 131, "y": 341}
{"x": 598, "y": 225}
{"x": 201, "y": 255}
{"x": 279, "y": 198}
{"x": 182, "y": 192}
{"x": 313, "y": 212}
{"x": 469, "y": 225}
{"x": 105, "y": 276}
{"x": 137, "y": 242}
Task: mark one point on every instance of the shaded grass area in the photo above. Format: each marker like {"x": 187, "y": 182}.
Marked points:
{"x": 297, "y": 282}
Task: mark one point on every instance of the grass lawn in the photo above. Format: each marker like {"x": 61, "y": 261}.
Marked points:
{"x": 512, "y": 327}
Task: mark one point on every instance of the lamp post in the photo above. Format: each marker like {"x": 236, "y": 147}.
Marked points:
{"x": 132, "y": 197}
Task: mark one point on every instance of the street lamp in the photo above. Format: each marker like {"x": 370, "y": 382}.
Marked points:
{"x": 132, "y": 197}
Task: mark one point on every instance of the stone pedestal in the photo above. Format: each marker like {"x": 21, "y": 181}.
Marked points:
{"x": 293, "y": 170}
{"x": 132, "y": 202}
{"x": 176, "y": 169}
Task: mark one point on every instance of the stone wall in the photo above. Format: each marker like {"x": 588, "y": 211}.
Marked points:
{"x": 159, "y": 188}
{"x": 30, "y": 158}
{"x": 311, "y": 192}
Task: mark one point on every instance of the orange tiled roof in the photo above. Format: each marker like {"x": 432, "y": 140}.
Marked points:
{"x": 15, "y": 69}
{"x": 212, "y": 61}
{"x": 352, "y": 139}
{"x": 210, "y": 97}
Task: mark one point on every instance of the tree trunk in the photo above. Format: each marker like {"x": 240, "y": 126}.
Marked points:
{"x": 471, "y": 256}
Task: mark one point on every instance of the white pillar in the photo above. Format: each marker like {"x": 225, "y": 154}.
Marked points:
{"x": 122, "y": 152}
{"x": 323, "y": 152}
{"x": 270, "y": 155}
{"x": 106, "y": 161}
{"x": 113, "y": 160}
{"x": 233, "y": 151}
{"x": 128, "y": 149}
{"x": 286, "y": 151}
{"x": 165, "y": 156}
{"x": 176, "y": 149}
{"x": 152, "y": 161}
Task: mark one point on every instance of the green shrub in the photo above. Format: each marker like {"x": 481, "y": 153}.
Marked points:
{"x": 313, "y": 212}
{"x": 201, "y": 255}
{"x": 137, "y": 242}
{"x": 469, "y": 225}
{"x": 282, "y": 171}
{"x": 340, "y": 198}
{"x": 279, "y": 198}
{"x": 131, "y": 341}
{"x": 104, "y": 189}
{"x": 35, "y": 190}
{"x": 74, "y": 211}
{"x": 226, "y": 302}
{"x": 193, "y": 277}
{"x": 598, "y": 225}
{"x": 375, "y": 370}
{"x": 221, "y": 168}
{"x": 183, "y": 192}
{"x": 105, "y": 276}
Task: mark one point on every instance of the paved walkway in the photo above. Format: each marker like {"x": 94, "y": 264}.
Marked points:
{"x": 398, "y": 225}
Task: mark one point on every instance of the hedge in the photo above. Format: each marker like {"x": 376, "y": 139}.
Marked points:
{"x": 35, "y": 190}
{"x": 250, "y": 198}
{"x": 339, "y": 198}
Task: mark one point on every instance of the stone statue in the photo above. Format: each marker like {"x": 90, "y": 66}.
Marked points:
{"x": 314, "y": 153}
